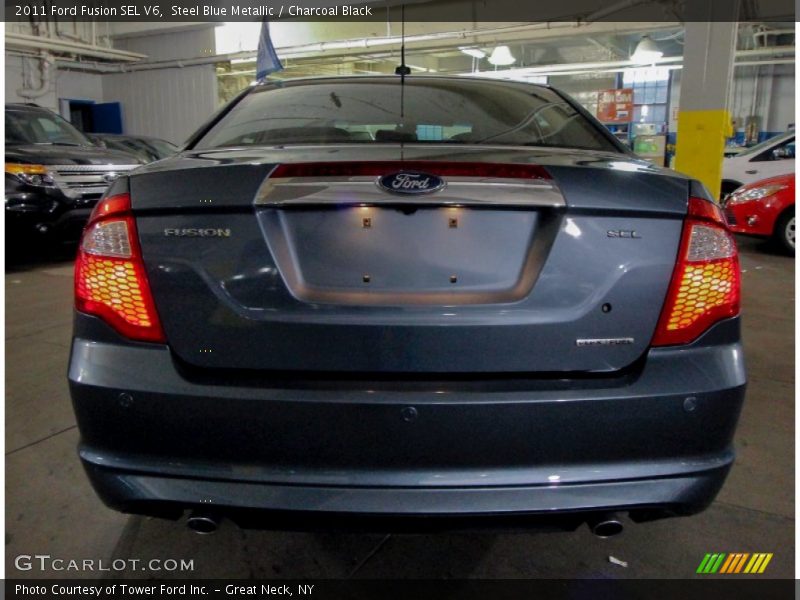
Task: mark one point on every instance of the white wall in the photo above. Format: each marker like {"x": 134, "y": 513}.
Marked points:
{"x": 775, "y": 100}
{"x": 64, "y": 84}
{"x": 75, "y": 85}
{"x": 166, "y": 103}
{"x": 167, "y": 46}
{"x": 782, "y": 107}
{"x": 170, "y": 104}
{"x": 13, "y": 81}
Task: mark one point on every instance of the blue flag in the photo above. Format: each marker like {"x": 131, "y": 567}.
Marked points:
{"x": 267, "y": 60}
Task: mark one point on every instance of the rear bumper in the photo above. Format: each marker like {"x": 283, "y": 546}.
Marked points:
{"x": 656, "y": 440}
{"x": 406, "y": 509}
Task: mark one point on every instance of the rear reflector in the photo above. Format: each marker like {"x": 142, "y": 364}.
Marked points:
{"x": 378, "y": 168}
{"x": 705, "y": 284}
{"x": 110, "y": 279}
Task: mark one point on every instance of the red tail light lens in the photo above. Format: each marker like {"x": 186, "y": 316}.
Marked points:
{"x": 705, "y": 285}
{"x": 110, "y": 279}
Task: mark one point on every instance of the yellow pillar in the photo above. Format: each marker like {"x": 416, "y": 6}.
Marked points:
{"x": 703, "y": 118}
{"x": 701, "y": 144}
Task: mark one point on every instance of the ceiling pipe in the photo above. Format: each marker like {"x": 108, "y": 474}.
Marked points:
{"x": 367, "y": 43}
{"x": 566, "y": 68}
{"x": 772, "y": 51}
{"x": 46, "y": 62}
{"x": 769, "y": 51}
{"x": 670, "y": 62}
{"x": 21, "y": 40}
{"x": 303, "y": 51}
{"x": 765, "y": 33}
{"x": 776, "y": 61}
{"x": 671, "y": 67}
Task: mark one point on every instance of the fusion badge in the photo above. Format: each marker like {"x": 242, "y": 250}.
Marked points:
{"x": 197, "y": 232}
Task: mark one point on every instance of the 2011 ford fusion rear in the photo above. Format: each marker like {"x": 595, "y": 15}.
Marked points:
{"x": 377, "y": 298}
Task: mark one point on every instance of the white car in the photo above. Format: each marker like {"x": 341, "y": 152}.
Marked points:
{"x": 770, "y": 158}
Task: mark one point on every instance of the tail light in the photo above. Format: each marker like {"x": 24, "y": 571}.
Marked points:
{"x": 444, "y": 169}
{"x": 705, "y": 284}
{"x": 110, "y": 279}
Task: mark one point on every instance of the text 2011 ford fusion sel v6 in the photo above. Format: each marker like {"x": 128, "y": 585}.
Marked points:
{"x": 368, "y": 300}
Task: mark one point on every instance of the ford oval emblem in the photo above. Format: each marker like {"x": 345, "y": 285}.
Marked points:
{"x": 411, "y": 183}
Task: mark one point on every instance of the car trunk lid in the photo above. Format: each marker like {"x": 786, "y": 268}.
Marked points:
{"x": 524, "y": 262}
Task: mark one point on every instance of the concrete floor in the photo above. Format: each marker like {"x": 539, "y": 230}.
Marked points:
{"x": 50, "y": 508}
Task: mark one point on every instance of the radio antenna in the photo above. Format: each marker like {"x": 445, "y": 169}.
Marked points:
{"x": 403, "y": 69}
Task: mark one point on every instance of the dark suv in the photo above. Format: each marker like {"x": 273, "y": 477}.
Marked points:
{"x": 54, "y": 174}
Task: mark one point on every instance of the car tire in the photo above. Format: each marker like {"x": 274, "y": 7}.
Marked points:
{"x": 784, "y": 234}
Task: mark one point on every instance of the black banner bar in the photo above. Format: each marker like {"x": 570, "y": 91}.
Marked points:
{"x": 389, "y": 10}
{"x": 734, "y": 587}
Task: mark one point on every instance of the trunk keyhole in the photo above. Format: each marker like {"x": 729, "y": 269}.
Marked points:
{"x": 606, "y": 308}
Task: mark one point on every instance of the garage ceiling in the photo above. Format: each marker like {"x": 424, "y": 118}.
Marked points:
{"x": 530, "y": 45}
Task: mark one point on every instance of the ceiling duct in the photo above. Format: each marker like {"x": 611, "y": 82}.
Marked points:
{"x": 21, "y": 41}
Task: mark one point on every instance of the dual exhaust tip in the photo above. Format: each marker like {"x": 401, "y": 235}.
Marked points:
{"x": 603, "y": 526}
{"x": 203, "y": 522}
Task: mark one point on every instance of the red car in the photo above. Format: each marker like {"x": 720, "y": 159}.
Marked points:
{"x": 764, "y": 208}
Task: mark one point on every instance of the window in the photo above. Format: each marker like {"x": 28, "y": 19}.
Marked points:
{"x": 783, "y": 151}
{"x": 368, "y": 110}
{"x": 650, "y": 94}
{"x": 40, "y": 127}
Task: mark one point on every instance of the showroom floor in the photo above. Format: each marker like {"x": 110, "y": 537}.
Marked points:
{"x": 50, "y": 508}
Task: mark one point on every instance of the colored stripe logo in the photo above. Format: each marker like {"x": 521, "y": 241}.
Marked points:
{"x": 735, "y": 562}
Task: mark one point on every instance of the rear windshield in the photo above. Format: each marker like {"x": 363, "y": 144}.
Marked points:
{"x": 427, "y": 111}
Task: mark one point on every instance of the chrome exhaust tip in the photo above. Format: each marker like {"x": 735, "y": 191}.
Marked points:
{"x": 606, "y": 525}
{"x": 203, "y": 523}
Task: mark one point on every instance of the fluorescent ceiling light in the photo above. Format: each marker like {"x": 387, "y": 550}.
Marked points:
{"x": 474, "y": 52}
{"x": 646, "y": 52}
{"x": 501, "y": 56}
